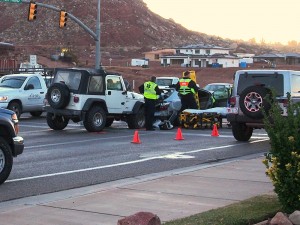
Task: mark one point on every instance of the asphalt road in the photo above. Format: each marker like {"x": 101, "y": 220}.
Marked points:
{"x": 61, "y": 160}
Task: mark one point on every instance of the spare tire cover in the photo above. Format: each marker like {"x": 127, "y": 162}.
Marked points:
{"x": 58, "y": 95}
{"x": 253, "y": 101}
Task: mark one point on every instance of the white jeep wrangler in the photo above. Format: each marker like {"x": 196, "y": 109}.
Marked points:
{"x": 249, "y": 98}
{"x": 95, "y": 97}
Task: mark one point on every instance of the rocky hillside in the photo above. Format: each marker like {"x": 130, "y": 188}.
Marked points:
{"x": 127, "y": 26}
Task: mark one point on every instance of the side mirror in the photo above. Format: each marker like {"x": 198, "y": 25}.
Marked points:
{"x": 127, "y": 85}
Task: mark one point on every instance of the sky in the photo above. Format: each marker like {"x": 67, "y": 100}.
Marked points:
{"x": 268, "y": 20}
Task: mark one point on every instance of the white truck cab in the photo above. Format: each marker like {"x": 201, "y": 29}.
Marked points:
{"x": 23, "y": 93}
{"x": 166, "y": 82}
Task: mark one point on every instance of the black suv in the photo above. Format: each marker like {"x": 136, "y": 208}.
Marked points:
{"x": 11, "y": 145}
{"x": 251, "y": 89}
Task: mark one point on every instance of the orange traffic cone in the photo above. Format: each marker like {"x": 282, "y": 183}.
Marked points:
{"x": 136, "y": 139}
{"x": 179, "y": 136}
{"x": 215, "y": 132}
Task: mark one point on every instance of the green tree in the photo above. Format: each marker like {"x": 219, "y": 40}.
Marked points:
{"x": 283, "y": 162}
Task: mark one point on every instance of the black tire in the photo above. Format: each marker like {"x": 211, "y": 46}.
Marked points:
{"x": 56, "y": 122}
{"x": 241, "y": 132}
{"x": 253, "y": 101}
{"x": 6, "y": 160}
{"x": 109, "y": 122}
{"x": 95, "y": 119}
{"x": 58, "y": 95}
{"x": 36, "y": 113}
{"x": 16, "y": 107}
{"x": 137, "y": 121}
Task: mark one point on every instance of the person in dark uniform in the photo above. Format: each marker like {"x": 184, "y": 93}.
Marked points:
{"x": 151, "y": 93}
{"x": 187, "y": 88}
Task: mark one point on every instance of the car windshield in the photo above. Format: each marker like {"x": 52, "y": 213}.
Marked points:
{"x": 164, "y": 82}
{"x": 12, "y": 82}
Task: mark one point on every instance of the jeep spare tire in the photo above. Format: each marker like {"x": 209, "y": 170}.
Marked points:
{"x": 58, "y": 95}
{"x": 253, "y": 101}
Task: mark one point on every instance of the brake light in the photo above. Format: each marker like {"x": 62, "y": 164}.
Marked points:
{"x": 232, "y": 101}
{"x": 164, "y": 106}
{"x": 284, "y": 102}
{"x": 76, "y": 99}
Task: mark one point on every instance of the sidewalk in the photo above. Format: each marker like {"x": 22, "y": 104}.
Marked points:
{"x": 169, "y": 195}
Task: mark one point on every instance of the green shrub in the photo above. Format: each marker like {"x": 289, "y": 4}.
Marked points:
{"x": 283, "y": 162}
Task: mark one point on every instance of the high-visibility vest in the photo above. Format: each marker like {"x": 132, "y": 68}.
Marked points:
{"x": 149, "y": 90}
{"x": 184, "y": 87}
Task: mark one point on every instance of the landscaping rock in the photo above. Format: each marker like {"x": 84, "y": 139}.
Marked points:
{"x": 140, "y": 218}
{"x": 280, "y": 219}
{"x": 295, "y": 217}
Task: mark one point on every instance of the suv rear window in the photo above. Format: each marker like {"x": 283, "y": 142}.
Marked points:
{"x": 271, "y": 81}
{"x": 70, "y": 78}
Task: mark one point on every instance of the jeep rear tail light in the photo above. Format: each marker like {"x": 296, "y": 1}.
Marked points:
{"x": 164, "y": 106}
{"x": 284, "y": 102}
{"x": 232, "y": 101}
{"x": 76, "y": 99}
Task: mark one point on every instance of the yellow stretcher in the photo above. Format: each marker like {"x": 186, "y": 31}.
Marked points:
{"x": 200, "y": 120}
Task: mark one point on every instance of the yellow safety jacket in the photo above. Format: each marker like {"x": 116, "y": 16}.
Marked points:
{"x": 184, "y": 87}
{"x": 149, "y": 90}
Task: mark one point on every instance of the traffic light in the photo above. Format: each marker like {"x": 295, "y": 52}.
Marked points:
{"x": 32, "y": 11}
{"x": 63, "y": 18}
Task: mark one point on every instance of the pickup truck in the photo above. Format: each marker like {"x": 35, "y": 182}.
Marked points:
{"x": 23, "y": 93}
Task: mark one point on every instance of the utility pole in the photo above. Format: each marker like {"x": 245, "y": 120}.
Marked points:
{"x": 98, "y": 55}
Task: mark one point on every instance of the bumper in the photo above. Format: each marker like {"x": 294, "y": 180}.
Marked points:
{"x": 18, "y": 143}
{"x": 258, "y": 123}
{"x": 63, "y": 112}
{"x": 4, "y": 105}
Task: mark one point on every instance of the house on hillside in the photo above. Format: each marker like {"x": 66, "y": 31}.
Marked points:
{"x": 201, "y": 55}
{"x": 157, "y": 54}
{"x": 279, "y": 58}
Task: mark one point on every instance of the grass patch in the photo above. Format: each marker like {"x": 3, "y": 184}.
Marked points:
{"x": 250, "y": 211}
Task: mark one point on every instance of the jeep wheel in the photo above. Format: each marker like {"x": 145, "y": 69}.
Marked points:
{"x": 58, "y": 95}
{"x": 252, "y": 101}
{"x": 137, "y": 120}
{"x": 241, "y": 132}
{"x": 16, "y": 107}
{"x": 95, "y": 119}
{"x": 6, "y": 160}
{"x": 36, "y": 113}
{"x": 56, "y": 122}
{"x": 109, "y": 122}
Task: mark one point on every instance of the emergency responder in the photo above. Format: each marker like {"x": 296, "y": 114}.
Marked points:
{"x": 187, "y": 88}
{"x": 151, "y": 93}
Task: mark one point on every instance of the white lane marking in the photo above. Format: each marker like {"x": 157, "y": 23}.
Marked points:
{"x": 129, "y": 162}
{"x": 72, "y": 142}
{"x": 177, "y": 155}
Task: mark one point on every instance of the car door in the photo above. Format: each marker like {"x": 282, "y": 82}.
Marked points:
{"x": 115, "y": 94}
{"x": 33, "y": 94}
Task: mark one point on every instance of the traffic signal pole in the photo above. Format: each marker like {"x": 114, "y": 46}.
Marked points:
{"x": 96, "y": 36}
